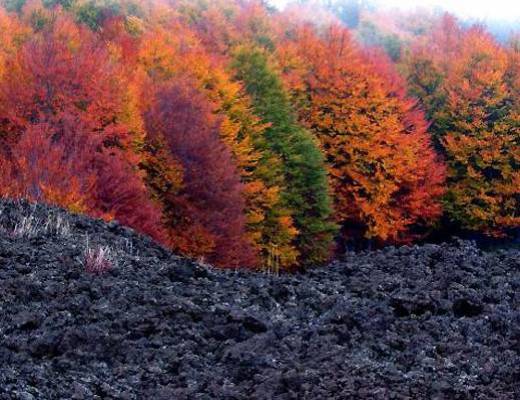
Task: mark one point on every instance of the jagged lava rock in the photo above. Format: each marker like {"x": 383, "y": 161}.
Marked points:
{"x": 428, "y": 322}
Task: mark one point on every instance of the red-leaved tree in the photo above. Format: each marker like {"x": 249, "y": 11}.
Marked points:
{"x": 60, "y": 129}
{"x": 208, "y": 212}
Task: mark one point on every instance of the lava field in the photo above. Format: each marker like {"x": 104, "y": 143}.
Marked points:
{"x": 421, "y": 322}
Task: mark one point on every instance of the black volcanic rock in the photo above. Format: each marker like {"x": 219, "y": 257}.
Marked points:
{"x": 429, "y": 322}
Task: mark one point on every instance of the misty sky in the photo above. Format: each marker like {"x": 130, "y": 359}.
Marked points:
{"x": 481, "y": 9}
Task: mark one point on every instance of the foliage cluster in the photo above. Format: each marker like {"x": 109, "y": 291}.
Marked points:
{"x": 251, "y": 138}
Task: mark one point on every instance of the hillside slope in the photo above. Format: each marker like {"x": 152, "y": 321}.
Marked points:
{"x": 430, "y": 322}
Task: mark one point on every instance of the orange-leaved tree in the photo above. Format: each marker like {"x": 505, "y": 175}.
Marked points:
{"x": 465, "y": 79}
{"x": 384, "y": 173}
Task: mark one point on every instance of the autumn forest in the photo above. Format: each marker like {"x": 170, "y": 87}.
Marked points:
{"x": 244, "y": 136}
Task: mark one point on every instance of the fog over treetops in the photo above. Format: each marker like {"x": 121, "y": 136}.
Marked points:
{"x": 476, "y": 9}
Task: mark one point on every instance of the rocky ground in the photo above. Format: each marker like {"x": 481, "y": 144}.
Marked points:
{"x": 429, "y": 322}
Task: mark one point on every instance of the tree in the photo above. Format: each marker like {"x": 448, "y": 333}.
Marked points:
{"x": 60, "y": 108}
{"x": 384, "y": 174}
{"x": 463, "y": 79}
{"x": 42, "y": 169}
{"x": 223, "y": 24}
{"x": 425, "y": 73}
{"x": 208, "y": 218}
{"x": 300, "y": 172}
{"x": 372, "y": 35}
{"x": 9, "y": 30}
{"x": 165, "y": 55}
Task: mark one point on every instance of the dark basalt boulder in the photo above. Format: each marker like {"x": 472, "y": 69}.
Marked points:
{"x": 422, "y": 322}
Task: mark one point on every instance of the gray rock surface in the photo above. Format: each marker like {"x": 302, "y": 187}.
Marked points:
{"x": 428, "y": 322}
